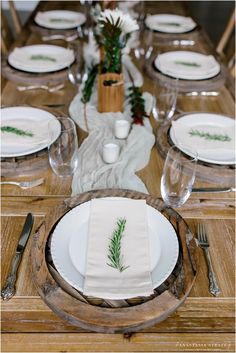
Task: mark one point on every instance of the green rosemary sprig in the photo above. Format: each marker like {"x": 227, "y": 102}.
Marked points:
{"x": 174, "y": 24}
{"x": 114, "y": 250}
{"x": 42, "y": 57}
{"x": 16, "y": 131}
{"x": 88, "y": 86}
{"x": 137, "y": 105}
{"x": 208, "y": 136}
{"x": 185, "y": 63}
{"x": 67, "y": 20}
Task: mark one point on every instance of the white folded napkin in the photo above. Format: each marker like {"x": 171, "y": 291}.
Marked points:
{"x": 186, "y": 135}
{"x": 39, "y": 131}
{"x": 102, "y": 280}
{"x": 208, "y": 66}
{"x": 53, "y": 57}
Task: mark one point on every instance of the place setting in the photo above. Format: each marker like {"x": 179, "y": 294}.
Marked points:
{"x": 38, "y": 64}
{"x": 25, "y": 138}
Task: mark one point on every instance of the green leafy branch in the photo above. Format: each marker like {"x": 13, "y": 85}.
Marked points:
{"x": 113, "y": 41}
{"x": 114, "y": 250}
{"x": 66, "y": 20}
{"x": 185, "y": 63}
{"x": 42, "y": 57}
{"x": 137, "y": 105}
{"x": 16, "y": 131}
{"x": 174, "y": 24}
{"x": 208, "y": 136}
{"x": 89, "y": 83}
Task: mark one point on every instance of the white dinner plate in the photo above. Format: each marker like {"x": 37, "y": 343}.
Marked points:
{"x": 167, "y": 23}
{"x": 60, "y": 19}
{"x": 72, "y": 230}
{"x": 36, "y": 121}
{"x": 216, "y": 152}
{"x": 41, "y": 58}
{"x": 187, "y": 65}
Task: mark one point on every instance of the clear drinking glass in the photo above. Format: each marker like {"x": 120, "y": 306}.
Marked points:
{"x": 178, "y": 176}
{"x": 164, "y": 100}
{"x": 63, "y": 151}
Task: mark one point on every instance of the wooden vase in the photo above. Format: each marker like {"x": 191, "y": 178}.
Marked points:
{"x": 110, "y": 98}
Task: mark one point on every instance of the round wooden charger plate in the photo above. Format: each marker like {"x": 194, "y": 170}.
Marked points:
{"x": 113, "y": 316}
{"x": 209, "y": 172}
{"x": 212, "y": 84}
{"x": 15, "y": 75}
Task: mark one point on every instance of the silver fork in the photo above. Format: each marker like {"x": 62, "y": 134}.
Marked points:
{"x": 24, "y": 184}
{"x": 69, "y": 38}
{"x": 204, "y": 244}
{"x": 47, "y": 88}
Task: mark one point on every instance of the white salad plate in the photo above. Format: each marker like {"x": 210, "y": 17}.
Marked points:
{"x": 41, "y": 58}
{"x": 208, "y": 150}
{"x": 69, "y": 245}
{"x": 28, "y": 119}
{"x": 60, "y": 19}
{"x": 187, "y": 65}
{"x": 167, "y": 23}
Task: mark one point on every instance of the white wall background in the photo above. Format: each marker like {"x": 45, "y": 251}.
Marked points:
{"x": 23, "y": 5}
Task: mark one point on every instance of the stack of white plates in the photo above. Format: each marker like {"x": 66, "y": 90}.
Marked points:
{"x": 170, "y": 23}
{"x": 69, "y": 245}
{"x": 60, "y": 19}
{"x": 187, "y": 65}
{"x": 41, "y": 58}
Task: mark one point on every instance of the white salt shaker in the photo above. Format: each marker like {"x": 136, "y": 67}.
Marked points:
{"x": 110, "y": 151}
{"x": 122, "y": 128}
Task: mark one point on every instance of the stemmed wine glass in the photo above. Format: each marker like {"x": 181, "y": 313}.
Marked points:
{"x": 178, "y": 176}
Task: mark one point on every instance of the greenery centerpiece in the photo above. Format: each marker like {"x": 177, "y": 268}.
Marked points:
{"x": 115, "y": 29}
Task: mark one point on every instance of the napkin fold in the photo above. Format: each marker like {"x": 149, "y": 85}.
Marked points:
{"x": 39, "y": 131}
{"x": 102, "y": 280}
{"x": 208, "y": 66}
{"x": 186, "y": 135}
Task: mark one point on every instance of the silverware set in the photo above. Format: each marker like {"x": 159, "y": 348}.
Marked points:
{"x": 50, "y": 89}
{"x": 24, "y": 184}
{"x": 203, "y": 242}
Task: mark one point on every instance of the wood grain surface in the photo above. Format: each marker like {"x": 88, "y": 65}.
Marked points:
{"x": 203, "y": 323}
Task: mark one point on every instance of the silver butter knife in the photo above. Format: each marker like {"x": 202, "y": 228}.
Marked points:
{"x": 8, "y": 290}
{"x": 202, "y": 94}
{"x": 226, "y": 189}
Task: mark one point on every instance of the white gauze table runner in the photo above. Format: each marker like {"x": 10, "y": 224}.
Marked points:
{"x": 102, "y": 280}
{"x": 93, "y": 172}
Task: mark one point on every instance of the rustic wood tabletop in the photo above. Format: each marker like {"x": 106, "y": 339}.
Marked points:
{"x": 203, "y": 322}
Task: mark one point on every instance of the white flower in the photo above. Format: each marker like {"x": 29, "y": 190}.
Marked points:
{"x": 127, "y": 23}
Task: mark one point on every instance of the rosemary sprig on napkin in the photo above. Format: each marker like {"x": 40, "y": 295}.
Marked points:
{"x": 66, "y": 20}
{"x": 174, "y": 24}
{"x": 114, "y": 249}
{"x": 208, "y": 136}
{"x": 185, "y": 63}
{"x": 16, "y": 131}
{"x": 42, "y": 57}
{"x": 88, "y": 86}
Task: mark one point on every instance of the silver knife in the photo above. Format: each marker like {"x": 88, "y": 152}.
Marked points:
{"x": 226, "y": 189}
{"x": 9, "y": 289}
{"x": 202, "y": 94}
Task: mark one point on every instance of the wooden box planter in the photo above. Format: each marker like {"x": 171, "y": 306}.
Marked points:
{"x": 110, "y": 98}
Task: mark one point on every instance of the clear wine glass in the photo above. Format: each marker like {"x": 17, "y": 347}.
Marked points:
{"x": 63, "y": 151}
{"x": 164, "y": 100}
{"x": 178, "y": 176}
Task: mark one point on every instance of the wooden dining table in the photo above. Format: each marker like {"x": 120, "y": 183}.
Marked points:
{"x": 204, "y": 322}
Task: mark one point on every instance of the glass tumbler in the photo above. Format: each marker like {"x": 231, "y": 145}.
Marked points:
{"x": 164, "y": 101}
{"x": 63, "y": 151}
{"x": 178, "y": 176}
